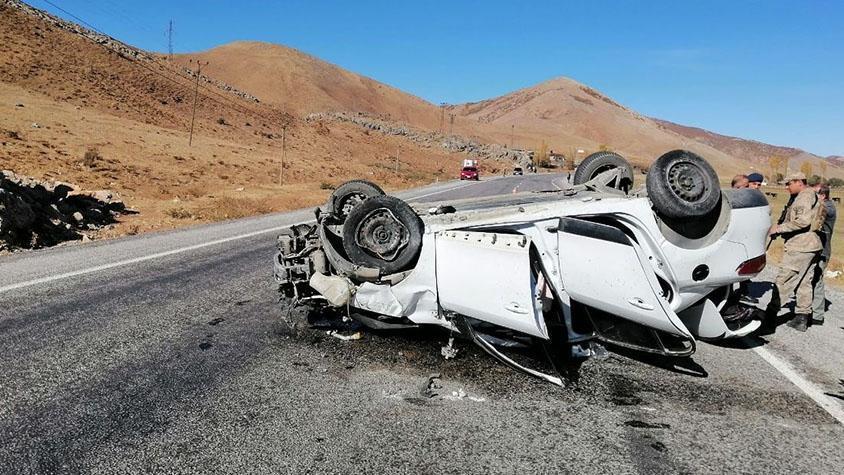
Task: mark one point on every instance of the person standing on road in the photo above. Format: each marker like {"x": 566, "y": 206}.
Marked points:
{"x": 754, "y": 180}
{"x": 819, "y": 302}
{"x": 802, "y": 247}
{"x": 739, "y": 181}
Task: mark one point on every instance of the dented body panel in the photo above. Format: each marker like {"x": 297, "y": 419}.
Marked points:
{"x": 589, "y": 266}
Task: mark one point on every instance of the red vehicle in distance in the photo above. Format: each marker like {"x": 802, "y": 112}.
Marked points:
{"x": 469, "y": 173}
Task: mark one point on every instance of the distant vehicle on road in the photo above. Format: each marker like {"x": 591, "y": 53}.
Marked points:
{"x": 469, "y": 173}
{"x": 518, "y": 171}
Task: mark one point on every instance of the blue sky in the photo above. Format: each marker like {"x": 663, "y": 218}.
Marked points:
{"x": 766, "y": 70}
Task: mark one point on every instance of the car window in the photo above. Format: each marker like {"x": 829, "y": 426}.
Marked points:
{"x": 469, "y": 169}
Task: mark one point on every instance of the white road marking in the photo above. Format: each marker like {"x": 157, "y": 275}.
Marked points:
{"x": 809, "y": 388}
{"x": 443, "y": 191}
{"x": 135, "y": 260}
{"x": 180, "y": 250}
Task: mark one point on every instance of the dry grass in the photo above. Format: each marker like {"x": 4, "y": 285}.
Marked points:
{"x": 227, "y": 207}
{"x": 180, "y": 212}
{"x": 91, "y": 157}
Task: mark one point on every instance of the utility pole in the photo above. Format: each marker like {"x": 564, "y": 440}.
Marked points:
{"x": 442, "y": 117}
{"x": 512, "y": 131}
{"x": 170, "y": 40}
{"x": 398, "y": 149}
{"x": 195, "y": 99}
{"x": 283, "y": 152}
{"x": 451, "y": 124}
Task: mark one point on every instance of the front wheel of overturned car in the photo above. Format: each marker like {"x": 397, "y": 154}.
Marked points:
{"x": 383, "y": 232}
{"x": 350, "y": 194}
{"x": 681, "y": 184}
{"x": 600, "y": 162}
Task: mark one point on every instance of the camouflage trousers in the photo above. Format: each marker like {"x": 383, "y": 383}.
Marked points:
{"x": 795, "y": 278}
{"x": 819, "y": 299}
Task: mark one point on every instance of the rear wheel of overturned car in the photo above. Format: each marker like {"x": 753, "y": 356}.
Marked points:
{"x": 350, "y": 194}
{"x": 383, "y": 232}
{"x": 599, "y": 162}
{"x": 681, "y": 184}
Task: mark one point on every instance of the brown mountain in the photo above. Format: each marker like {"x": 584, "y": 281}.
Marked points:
{"x": 300, "y": 83}
{"x": 752, "y": 150}
{"x": 562, "y": 113}
{"x": 569, "y": 115}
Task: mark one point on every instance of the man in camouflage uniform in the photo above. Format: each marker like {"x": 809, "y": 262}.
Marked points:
{"x": 802, "y": 247}
{"x": 819, "y": 303}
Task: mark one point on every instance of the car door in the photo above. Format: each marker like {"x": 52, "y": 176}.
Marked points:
{"x": 603, "y": 268}
{"x": 487, "y": 276}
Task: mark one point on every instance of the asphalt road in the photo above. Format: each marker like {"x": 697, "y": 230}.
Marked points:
{"x": 163, "y": 353}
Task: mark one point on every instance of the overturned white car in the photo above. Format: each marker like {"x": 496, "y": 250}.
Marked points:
{"x": 650, "y": 270}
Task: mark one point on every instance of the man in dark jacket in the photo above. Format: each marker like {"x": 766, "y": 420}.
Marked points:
{"x": 819, "y": 299}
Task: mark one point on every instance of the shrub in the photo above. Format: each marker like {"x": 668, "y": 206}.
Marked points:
{"x": 179, "y": 213}
{"x": 227, "y": 207}
{"x": 326, "y": 186}
{"x": 92, "y": 156}
{"x": 221, "y": 121}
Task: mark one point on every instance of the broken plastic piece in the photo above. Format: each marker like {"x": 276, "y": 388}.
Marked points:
{"x": 449, "y": 351}
{"x": 340, "y": 336}
{"x": 337, "y": 290}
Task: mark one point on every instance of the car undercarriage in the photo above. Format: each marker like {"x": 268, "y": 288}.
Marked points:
{"x": 566, "y": 273}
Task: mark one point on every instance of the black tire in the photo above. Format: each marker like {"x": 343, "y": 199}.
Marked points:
{"x": 599, "y": 162}
{"x": 350, "y": 194}
{"x": 391, "y": 233}
{"x": 682, "y": 185}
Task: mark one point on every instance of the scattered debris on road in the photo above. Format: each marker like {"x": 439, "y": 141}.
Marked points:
{"x": 345, "y": 337}
{"x": 449, "y": 351}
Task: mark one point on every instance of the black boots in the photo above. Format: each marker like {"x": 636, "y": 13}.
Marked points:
{"x": 800, "y": 322}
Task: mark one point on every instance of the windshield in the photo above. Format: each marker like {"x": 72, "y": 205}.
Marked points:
{"x": 470, "y": 169}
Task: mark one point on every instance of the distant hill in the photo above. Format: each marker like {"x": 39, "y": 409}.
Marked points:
{"x": 752, "y": 150}
{"x": 567, "y": 114}
{"x": 300, "y": 83}
{"x": 561, "y": 112}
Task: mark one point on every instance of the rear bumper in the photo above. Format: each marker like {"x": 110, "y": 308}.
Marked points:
{"x": 719, "y": 316}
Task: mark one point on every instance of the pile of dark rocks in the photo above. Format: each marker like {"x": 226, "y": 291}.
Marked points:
{"x": 36, "y": 213}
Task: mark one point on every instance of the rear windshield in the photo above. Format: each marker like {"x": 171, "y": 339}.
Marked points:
{"x": 470, "y": 169}
{"x": 518, "y": 169}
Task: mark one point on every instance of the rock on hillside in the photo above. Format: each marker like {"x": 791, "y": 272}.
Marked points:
{"x": 450, "y": 143}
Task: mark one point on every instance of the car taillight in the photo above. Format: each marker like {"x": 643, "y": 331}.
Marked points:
{"x": 752, "y": 266}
